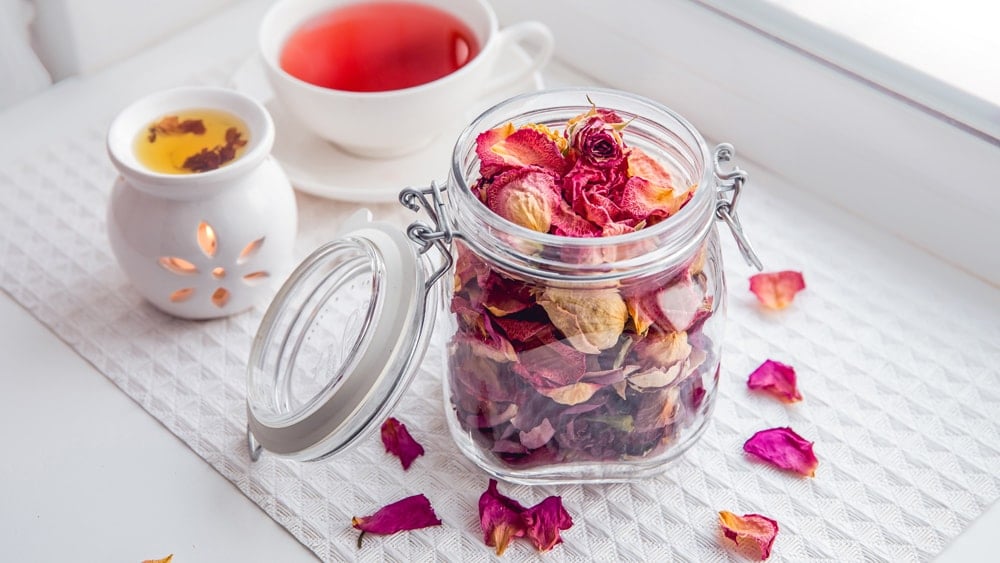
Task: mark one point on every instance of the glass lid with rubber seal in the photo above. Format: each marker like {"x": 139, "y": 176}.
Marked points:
{"x": 339, "y": 343}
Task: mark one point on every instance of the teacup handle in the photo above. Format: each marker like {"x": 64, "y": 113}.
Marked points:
{"x": 539, "y": 43}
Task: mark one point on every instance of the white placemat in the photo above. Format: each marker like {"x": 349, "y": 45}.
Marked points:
{"x": 897, "y": 355}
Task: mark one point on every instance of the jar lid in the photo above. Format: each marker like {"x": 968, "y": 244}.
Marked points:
{"x": 340, "y": 342}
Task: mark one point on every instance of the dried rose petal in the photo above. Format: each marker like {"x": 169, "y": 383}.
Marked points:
{"x": 776, "y": 290}
{"x": 503, "y": 296}
{"x": 777, "y": 379}
{"x": 500, "y": 518}
{"x": 783, "y": 448}
{"x": 503, "y": 519}
{"x": 592, "y": 320}
{"x": 411, "y": 513}
{"x": 753, "y": 527}
{"x": 538, "y": 436}
{"x": 543, "y": 521}
{"x": 397, "y": 441}
{"x": 508, "y": 147}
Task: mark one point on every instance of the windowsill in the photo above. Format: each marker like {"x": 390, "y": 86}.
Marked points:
{"x": 858, "y": 146}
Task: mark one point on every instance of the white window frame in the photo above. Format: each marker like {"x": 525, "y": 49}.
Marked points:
{"x": 828, "y": 129}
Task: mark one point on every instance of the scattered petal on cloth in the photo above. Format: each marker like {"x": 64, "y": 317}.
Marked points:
{"x": 397, "y": 441}
{"x": 503, "y": 519}
{"x": 411, "y": 513}
{"x": 753, "y": 527}
{"x": 783, "y": 448}
{"x": 776, "y": 379}
{"x": 500, "y": 518}
{"x": 776, "y": 290}
{"x": 543, "y": 522}
{"x": 164, "y": 560}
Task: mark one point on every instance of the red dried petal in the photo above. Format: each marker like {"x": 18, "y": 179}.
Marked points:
{"x": 411, "y": 513}
{"x": 753, "y": 527}
{"x": 543, "y": 522}
{"x": 499, "y": 518}
{"x": 503, "y": 519}
{"x": 776, "y": 290}
{"x": 505, "y": 147}
{"x": 398, "y": 441}
{"x": 785, "y": 449}
{"x": 551, "y": 364}
{"x": 503, "y": 296}
{"x": 777, "y": 379}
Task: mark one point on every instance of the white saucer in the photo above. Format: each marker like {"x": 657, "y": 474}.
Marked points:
{"x": 318, "y": 167}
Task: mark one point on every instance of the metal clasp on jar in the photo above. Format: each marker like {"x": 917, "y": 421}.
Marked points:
{"x": 439, "y": 235}
{"x": 730, "y": 183}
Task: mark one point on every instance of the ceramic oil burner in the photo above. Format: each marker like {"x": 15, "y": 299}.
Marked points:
{"x": 211, "y": 238}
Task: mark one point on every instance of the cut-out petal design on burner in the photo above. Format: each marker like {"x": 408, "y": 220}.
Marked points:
{"x": 220, "y": 297}
{"x": 182, "y": 294}
{"x": 254, "y": 278}
{"x": 250, "y": 250}
{"x": 207, "y": 239}
{"x": 178, "y": 266}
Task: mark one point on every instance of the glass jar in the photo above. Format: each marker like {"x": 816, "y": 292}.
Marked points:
{"x": 568, "y": 359}
{"x": 584, "y": 359}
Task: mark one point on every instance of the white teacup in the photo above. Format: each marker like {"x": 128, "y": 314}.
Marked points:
{"x": 396, "y": 122}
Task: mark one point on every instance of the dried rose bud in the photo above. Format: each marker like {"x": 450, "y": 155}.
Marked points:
{"x": 785, "y": 449}
{"x": 397, "y": 441}
{"x": 776, "y": 379}
{"x": 592, "y": 320}
{"x": 525, "y": 197}
{"x": 758, "y": 529}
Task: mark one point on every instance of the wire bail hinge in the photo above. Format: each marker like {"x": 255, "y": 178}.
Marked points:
{"x": 730, "y": 182}
{"x": 437, "y": 235}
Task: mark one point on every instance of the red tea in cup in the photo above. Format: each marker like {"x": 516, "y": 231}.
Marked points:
{"x": 378, "y": 46}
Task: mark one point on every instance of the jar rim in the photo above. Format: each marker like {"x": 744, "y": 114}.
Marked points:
{"x": 692, "y": 222}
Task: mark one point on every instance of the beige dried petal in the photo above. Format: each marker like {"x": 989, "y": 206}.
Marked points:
{"x": 665, "y": 349}
{"x": 572, "y": 394}
{"x": 669, "y": 410}
{"x": 592, "y": 320}
{"x": 654, "y": 378}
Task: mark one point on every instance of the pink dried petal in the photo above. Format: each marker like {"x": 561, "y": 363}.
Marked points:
{"x": 411, "y": 513}
{"x": 543, "y": 522}
{"x": 551, "y": 363}
{"x": 681, "y": 303}
{"x": 398, "y": 441}
{"x": 538, "y": 436}
{"x": 777, "y": 379}
{"x": 499, "y": 518}
{"x": 507, "y": 147}
{"x": 776, "y": 290}
{"x": 643, "y": 200}
{"x": 468, "y": 267}
{"x": 750, "y": 527}
{"x": 785, "y": 449}
{"x": 568, "y": 223}
{"x": 519, "y": 331}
